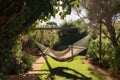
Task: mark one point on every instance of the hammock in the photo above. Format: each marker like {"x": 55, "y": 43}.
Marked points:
{"x": 67, "y": 54}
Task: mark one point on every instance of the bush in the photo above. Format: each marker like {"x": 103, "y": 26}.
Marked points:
{"x": 21, "y": 65}
{"x": 27, "y": 62}
{"x": 84, "y": 52}
{"x": 12, "y": 59}
{"x": 93, "y": 48}
{"x": 105, "y": 63}
{"x": 115, "y": 65}
{"x": 68, "y": 36}
{"x": 28, "y": 44}
{"x": 18, "y": 66}
{"x": 71, "y": 35}
{"x": 2, "y": 77}
{"x": 110, "y": 56}
{"x": 58, "y": 46}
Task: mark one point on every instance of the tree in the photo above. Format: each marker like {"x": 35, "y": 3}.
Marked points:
{"x": 69, "y": 33}
{"x": 105, "y": 12}
{"x": 17, "y": 16}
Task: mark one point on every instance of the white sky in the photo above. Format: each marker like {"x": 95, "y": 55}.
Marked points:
{"x": 73, "y": 16}
{"x": 67, "y": 18}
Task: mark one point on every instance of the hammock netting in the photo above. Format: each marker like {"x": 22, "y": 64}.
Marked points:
{"x": 67, "y": 54}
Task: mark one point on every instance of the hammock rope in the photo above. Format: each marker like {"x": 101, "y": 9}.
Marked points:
{"x": 67, "y": 54}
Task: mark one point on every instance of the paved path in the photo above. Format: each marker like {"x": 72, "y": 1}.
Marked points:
{"x": 30, "y": 75}
{"x": 36, "y": 66}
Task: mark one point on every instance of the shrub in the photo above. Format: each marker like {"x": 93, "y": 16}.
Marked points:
{"x": 114, "y": 64}
{"x": 84, "y": 52}
{"x": 21, "y": 65}
{"x": 68, "y": 36}
{"x": 18, "y": 66}
{"x": 28, "y": 44}
{"x": 110, "y": 56}
{"x": 105, "y": 63}
{"x": 93, "y": 48}
{"x": 2, "y": 77}
{"x": 27, "y": 62}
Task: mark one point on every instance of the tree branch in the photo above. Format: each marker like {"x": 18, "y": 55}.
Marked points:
{"x": 118, "y": 36}
{"x": 114, "y": 19}
{"x": 106, "y": 34}
{"x": 11, "y": 19}
{"x": 27, "y": 24}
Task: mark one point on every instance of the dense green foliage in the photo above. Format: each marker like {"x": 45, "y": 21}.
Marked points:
{"x": 74, "y": 31}
{"x": 93, "y": 52}
{"x": 17, "y": 62}
{"x": 17, "y": 16}
{"x": 69, "y": 36}
{"x": 2, "y": 77}
{"x": 106, "y": 12}
{"x": 98, "y": 14}
{"x": 110, "y": 56}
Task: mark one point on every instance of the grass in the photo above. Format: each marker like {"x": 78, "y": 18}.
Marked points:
{"x": 69, "y": 70}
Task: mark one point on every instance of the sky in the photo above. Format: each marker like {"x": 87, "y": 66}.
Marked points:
{"x": 73, "y": 16}
{"x": 57, "y": 19}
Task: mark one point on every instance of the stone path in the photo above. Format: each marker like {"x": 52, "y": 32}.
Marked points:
{"x": 36, "y": 66}
{"x": 30, "y": 75}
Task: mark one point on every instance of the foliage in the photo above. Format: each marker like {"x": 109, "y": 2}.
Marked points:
{"x": 28, "y": 61}
{"x": 106, "y": 12}
{"x": 70, "y": 35}
{"x": 22, "y": 64}
{"x": 84, "y": 52}
{"x": 7, "y": 59}
{"x": 26, "y": 13}
{"x": 115, "y": 66}
{"x": 17, "y": 16}
{"x": 27, "y": 41}
{"x": 93, "y": 48}
{"x": 98, "y": 13}
{"x": 110, "y": 56}
{"x": 2, "y": 77}
{"x": 93, "y": 52}
{"x": 17, "y": 62}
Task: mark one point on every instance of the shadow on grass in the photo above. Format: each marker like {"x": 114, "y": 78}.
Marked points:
{"x": 65, "y": 72}
{"x": 62, "y": 72}
{"x": 98, "y": 75}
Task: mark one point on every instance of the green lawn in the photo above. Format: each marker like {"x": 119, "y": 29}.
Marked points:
{"x": 70, "y": 70}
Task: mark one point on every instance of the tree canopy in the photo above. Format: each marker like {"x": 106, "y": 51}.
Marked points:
{"x": 16, "y": 16}
{"x": 105, "y": 12}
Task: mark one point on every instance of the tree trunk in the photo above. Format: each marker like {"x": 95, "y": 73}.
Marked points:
{"x": 112, "y": 33}
{"x": 100, "y": 43}
{"x": 116, "y": 58}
